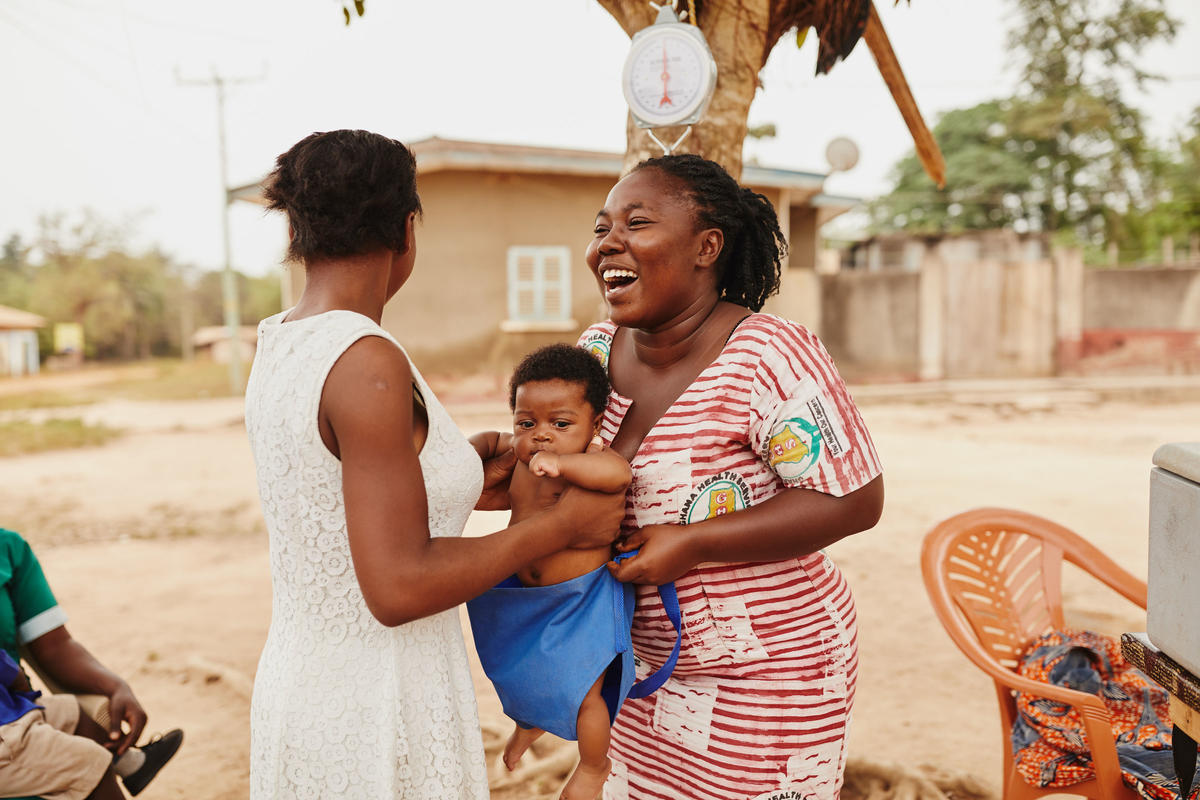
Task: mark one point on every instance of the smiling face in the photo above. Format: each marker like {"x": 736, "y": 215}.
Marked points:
{"x": 650, "y": 260}
{"x": 554, "y": 416}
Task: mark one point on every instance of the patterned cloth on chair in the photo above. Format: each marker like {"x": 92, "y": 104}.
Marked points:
{"x": 1048, "y": 740}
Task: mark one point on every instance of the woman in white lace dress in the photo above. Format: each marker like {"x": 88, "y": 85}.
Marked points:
{"x": 363, "y": 688}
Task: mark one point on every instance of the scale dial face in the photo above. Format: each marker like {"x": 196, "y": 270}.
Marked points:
{"x": 669, "y": 76}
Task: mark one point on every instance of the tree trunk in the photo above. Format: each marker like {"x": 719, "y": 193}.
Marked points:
{"x": 737, "y": 34}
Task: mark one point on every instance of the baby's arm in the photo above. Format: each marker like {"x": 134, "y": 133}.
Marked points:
{"x": 599, "y": 469}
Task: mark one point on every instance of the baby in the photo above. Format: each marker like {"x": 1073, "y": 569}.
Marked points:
{"x": 554, "y": 638}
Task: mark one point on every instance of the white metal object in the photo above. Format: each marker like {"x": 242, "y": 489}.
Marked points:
{"x": 670, "y": 74}
{"x": 841, "y": 153}
{"x": 1173, "y": 578}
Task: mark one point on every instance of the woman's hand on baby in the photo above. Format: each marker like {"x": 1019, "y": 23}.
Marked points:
{"x": 497, "y": 471}
{"x": 664, "y": 553}
{"x": 592, "y": 519}
{"x": 544, "y": 464}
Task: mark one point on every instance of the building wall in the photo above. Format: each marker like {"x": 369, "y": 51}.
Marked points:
{"x": 869, "y": 323}
{"x": 950, "y": 319}
{"x": 220, "y": 350}
{"x": 1160, "y": 297}
{"x": 999, "y": 319}
{"x": 449, "y": 313}
{"x": 802, "y": 236}
{"x": 18, "y": 352}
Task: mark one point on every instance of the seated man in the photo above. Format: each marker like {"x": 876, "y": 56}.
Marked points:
{"x": 52, "y": 750}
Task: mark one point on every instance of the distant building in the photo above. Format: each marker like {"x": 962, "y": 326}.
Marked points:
{"x": 18, "y": 342}
{"x": 500, "y": 248}
{"x": 213, "y": 343}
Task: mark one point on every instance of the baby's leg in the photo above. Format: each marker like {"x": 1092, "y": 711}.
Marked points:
{"x": 518, "y": 743}
{"x": 592, "y": 727}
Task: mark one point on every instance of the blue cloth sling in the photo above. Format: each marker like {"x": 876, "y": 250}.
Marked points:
{"x": 544, "y": 646}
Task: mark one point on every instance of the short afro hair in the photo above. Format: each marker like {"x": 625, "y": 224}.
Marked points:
{"x": 345, "y": 193}
{"x": 566, "y": 363}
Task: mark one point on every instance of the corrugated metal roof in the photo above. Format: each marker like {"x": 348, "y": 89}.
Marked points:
{"x": 16, "y": 319}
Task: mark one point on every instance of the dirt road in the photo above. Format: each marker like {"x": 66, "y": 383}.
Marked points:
{"x": 155, "y": 547}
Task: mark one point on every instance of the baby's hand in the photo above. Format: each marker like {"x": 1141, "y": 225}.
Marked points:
{"x": 544, "y": 465}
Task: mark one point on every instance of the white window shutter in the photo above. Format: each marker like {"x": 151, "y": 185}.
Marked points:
{"x": 539, "y": 284}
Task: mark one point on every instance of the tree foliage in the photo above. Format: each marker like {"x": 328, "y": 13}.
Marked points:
{"x": 1068, "y": 152}
{"x": 130, "y": 304}
{"x": 1174, "y": 185}
{"x": 989, "y": 181}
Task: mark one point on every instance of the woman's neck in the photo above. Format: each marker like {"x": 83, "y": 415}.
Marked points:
{"x": 689, "y": 334}
{"x": 356, "y": 283}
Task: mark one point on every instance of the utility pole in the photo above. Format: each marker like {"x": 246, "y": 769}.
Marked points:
{"x": 228, "y": 284}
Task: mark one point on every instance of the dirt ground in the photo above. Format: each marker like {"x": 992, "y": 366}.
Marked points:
{"x": 155, "y": 547}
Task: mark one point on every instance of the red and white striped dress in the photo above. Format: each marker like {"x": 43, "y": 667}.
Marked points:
{"x": 759, "y": 703}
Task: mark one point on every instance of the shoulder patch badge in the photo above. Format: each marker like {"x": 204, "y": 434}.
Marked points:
{"x": 794, "y": 446}
{"x": 723, "y": 493}
{"x": 598, "y": 344}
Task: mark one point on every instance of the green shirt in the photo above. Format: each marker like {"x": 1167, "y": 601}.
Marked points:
{"x": 27, "y": 606}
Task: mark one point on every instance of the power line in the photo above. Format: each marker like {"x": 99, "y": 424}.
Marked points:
{"x": 66, "y": 55}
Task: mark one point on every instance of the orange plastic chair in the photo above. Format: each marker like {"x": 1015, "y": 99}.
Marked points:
{"x": 994, "y": 577}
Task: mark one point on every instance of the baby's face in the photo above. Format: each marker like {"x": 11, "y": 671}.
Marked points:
{"x": 552, "y": 416}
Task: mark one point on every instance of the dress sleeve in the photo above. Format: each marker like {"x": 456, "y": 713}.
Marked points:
{"x": 597, "y": 340}
{"x": 34, "y": 606}
{"x": 803, "y": 423}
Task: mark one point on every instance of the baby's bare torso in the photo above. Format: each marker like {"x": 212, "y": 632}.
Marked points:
{"x": 529, "y": 494}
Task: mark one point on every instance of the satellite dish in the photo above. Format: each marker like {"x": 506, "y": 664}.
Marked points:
{"x": 842, "y": 154}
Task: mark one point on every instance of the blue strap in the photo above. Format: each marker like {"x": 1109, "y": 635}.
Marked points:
{"x": 653, "y": 681}
{"x": 670, "y": 600}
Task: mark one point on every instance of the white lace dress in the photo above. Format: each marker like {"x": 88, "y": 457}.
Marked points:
{"x": 344, "y": 706}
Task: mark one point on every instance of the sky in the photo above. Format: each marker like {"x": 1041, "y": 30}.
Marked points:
{"x": 109, "y": 105}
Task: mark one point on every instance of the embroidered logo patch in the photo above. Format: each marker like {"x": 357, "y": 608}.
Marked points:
{"x": 598, "y": 345}
{"x": 723, "y": 493}
{"x": 794, "y": 446}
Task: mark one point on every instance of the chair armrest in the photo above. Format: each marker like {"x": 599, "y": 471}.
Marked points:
{"x": 1109, "y": 572}
{"x": 1097, "y": 722}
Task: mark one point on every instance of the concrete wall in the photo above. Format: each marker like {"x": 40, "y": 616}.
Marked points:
{"x": 1000, "y": 319}
{"x": 869, "y": 323}
{"x": 952, "y": 318}
{"x": 1166, "y": 298}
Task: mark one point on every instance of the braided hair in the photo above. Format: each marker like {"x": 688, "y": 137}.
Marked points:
{"x": 748, "y": 268}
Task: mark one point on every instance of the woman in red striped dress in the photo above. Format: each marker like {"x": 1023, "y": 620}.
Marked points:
{"x": 749, "y": 456}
